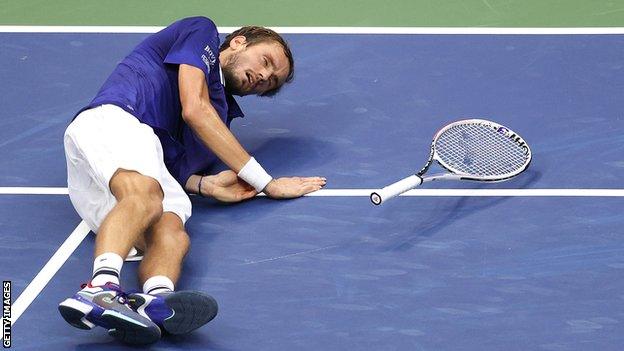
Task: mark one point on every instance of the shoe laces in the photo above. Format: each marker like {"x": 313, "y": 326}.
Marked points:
{"x": 120, "y": 295}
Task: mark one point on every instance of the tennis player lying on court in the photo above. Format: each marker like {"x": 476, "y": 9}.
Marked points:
{"x": 154, "y": 128}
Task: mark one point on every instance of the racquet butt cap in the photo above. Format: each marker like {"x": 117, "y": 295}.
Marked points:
{"x": 376, "y": 198}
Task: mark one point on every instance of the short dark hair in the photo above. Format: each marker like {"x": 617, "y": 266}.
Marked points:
{"x": 255, "y": 35}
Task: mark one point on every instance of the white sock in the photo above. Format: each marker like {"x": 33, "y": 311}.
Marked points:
{"x": 157, "y": 285}
{"x": 106, "y": 268}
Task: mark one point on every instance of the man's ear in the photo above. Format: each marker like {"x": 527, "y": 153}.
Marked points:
{"x": 239, "y": 42}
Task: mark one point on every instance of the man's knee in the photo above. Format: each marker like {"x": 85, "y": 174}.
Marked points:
{"x": 176, "y": 240}
{"x": 180, "y": 240}
{"x": 143, "y": 191}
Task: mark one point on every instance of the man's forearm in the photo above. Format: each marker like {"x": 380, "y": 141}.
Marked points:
{"x": 203, "y": 119}
{"x": 207, "y": 125}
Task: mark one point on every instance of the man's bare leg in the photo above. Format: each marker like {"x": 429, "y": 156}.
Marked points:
{"x": 166, "y": 244}
{"x": 139, "y": 206}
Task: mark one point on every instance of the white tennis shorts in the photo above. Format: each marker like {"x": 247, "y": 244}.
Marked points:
{"x": 98, "y": 143}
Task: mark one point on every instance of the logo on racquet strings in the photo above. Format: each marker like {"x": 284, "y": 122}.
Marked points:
{"x": 515, "y": 137}
{"x": 6, "y": 314}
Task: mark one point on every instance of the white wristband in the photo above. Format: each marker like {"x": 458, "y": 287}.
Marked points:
{"x": 255, "y": 175}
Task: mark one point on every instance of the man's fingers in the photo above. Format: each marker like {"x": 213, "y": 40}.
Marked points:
{"x": 233, "y": 193}
{"x": 250, "y": 193}
{"x": 311, "y": 184}
{"x": 316, "y": 182}
{"x": 310, "y": 180}
{"x": 245, "y": 194}
{"x": 291, "y": 187}
{"x": 310, "y": 189}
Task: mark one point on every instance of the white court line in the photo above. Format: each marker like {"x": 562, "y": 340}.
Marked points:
{"x": 48, "y": 271}
{"x": 482, "y": 192}
{"x": 81, "y": 231}
{"x": 32, "y": 191}
{"x": 76, "y": 237}
{"x": 330, "y": 30}
{"x": 366, "y": 192}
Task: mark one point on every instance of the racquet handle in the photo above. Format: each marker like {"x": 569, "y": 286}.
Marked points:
{"x": 395, "y": 189}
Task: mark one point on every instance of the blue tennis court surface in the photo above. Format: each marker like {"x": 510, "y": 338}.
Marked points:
{"x": 336, "y": 273}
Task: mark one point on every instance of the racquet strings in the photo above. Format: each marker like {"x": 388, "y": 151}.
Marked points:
{"x": 479, "y": 150}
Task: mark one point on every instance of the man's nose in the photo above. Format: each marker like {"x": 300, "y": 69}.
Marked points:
{"x": 264, "y": 73}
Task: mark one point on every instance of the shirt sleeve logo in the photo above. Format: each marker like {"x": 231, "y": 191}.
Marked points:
{"x": 209, "y": 57}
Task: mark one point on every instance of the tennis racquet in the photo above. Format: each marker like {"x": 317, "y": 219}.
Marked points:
{"x": 471, "y": 149}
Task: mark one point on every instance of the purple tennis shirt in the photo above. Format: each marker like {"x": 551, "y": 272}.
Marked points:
{"x": 145, "y": 84}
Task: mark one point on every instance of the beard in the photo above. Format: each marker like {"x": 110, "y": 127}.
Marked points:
{"x": 233, "y": 85}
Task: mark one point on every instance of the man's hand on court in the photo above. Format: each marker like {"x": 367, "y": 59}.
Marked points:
{"x": 291, "y": 187}
{"x": 227, "y": 187}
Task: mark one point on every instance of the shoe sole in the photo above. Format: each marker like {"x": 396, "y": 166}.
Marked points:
{"x": 75, "y": 312}
{"x": 119, "y": 326}
{"x": 128, "y": 331}
{"x": 192, "y": 310}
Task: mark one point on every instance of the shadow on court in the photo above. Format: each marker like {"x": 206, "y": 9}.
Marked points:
{"x": 451, "y": 210}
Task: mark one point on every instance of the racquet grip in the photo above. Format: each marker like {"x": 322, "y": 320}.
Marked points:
{"x": 395, "y": 189}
